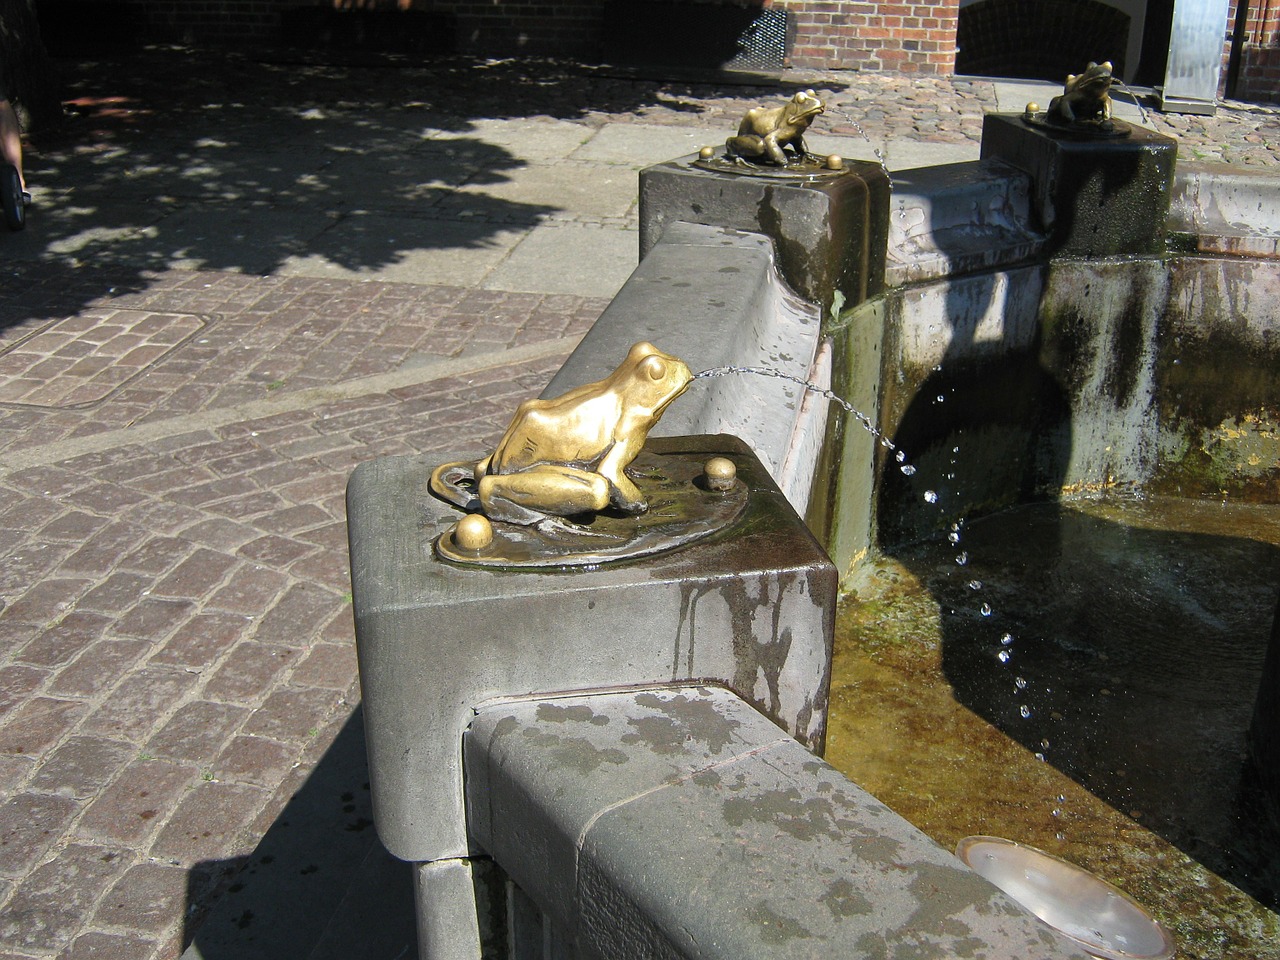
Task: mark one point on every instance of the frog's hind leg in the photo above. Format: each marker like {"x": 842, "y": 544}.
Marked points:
{"x": 531, "y": 495}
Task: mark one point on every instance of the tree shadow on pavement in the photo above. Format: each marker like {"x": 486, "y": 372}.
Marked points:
{"x": 179, "y": 159}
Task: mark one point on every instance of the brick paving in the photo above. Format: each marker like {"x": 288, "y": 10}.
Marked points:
{"x": 176, "y": 626}
{"x": 176, "y": 647}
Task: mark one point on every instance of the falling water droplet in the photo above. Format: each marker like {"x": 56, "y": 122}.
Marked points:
{"x": 1044, "y": 744}
{"x": 1007, "y": 639}
{"x": 985, "y": 610}
{"x": 900, "y": 456}
{"x": 975, "y": 584}
{"x": 1024, "y": 711}
{"x": 962, "y": 557}
{"x": 907, "y": 469}
{"x": 953, "y": 536}
{"x": 1020, "y": 683}
{"x": 1004, "y": 656}
{"x": 941, "y": 398}
{"x": 1041, "y": 757}
{"x": 930, "y": 496}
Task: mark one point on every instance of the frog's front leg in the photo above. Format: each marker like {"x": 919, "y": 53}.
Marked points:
{"x": 529, "y": 496}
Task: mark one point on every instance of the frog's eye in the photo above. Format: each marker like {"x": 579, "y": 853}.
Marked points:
{"x": 654, "y": 368}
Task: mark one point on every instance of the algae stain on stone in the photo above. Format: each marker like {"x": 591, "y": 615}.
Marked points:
{"x": 576, "y": 753}
{"x": 775, "y": 928}
{"x": 579, "y": 712}
{"x": 680, "y": 719}
{"x": 842, "y": 900}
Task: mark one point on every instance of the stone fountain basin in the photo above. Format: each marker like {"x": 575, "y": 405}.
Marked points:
{"x": 1059, "y": 379}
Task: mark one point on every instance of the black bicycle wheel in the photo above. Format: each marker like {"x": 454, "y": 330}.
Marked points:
{"x": 11, "y": 206}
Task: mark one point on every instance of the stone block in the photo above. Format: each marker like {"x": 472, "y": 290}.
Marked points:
{"x": 1095, "y": 197}
{"x": 958, "y": 218}
{"x": 829, "y": 231}
{"x": 1227, "y": 208}
{"x": 680, "y": 823}
{"x": 749, "y": 608}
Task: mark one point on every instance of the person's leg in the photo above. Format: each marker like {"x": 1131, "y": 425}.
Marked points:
{"x": 11, "y": 139}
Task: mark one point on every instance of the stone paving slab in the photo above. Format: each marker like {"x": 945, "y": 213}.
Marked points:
{"x": 279, "y": 266}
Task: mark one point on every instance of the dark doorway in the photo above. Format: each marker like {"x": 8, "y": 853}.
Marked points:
{"x": 1040, "y": 40}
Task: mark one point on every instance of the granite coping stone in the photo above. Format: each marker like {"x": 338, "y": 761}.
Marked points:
{"x": 681, "y": 823}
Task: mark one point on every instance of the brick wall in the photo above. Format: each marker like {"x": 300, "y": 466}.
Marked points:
{"x": 864, "y": 35}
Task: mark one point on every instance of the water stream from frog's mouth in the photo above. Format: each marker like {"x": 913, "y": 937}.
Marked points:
{"x": 874, "y": 149}
{"x": 863, "y": 420}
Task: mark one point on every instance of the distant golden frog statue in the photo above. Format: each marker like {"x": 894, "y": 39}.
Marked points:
{"x": 1085, "y": 98}
{"x": 569, "y": 455}
{"x": 763, "y": 134}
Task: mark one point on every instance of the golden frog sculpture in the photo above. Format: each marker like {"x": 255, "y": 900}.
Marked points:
{"x": 569, "y": 455}
{"x": 1086, "y": 97}
{"x": 764, "y": 134}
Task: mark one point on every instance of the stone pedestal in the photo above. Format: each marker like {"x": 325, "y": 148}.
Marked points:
{"x": 749, "y": 608}
{"x": 830, "y": 231}
{"x": 1094, "y": 197}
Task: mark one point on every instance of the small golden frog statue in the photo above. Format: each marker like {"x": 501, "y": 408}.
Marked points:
{"x": 569, "y": 455}
{"x": 1086, "y": 97}
{"x": 764, "y": 134}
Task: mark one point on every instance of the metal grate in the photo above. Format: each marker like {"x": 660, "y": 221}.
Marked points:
{"x": 763, "y": 45}
{"x": 705, "y": 36}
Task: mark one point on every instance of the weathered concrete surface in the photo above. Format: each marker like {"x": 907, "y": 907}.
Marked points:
{"x": 750, "y": 608}
{"x": 829, "y": 232}
{"x": 681, "y": 823}
{"x": 957, "y": 218}
{"x": 1228, "y": 209}
{"x": 1073, "y": 377}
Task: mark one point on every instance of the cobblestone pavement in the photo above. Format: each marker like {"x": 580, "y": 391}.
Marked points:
{"x": 176, "y": 649}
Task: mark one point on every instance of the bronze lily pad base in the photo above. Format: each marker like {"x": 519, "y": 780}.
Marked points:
{"x": 682, "y": 509}
{"x": 1083, "y": 130}
{"x": 797, "y": 168}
